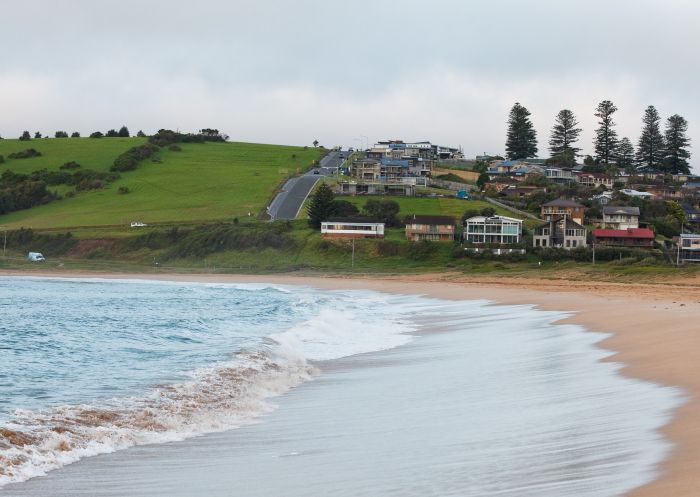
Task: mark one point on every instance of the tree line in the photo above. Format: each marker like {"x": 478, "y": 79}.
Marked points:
{"x": 667, "y": 151}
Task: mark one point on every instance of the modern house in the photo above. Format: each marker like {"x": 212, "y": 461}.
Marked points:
{"x": 688, "y": 247}
{"x": 562, "y": 232}
{"x": 620, "y": 218}
{"x": 351, "y": 228}
{"x": 594, "y": 180}
{"x": 499, "y": 230}
{"x": 692, "y": 214}
{"x": 631, "y": 238}
{"x": 630, "y": 192}
{"x": 435, "y": 228}
{"x": 560, "y": 208}
{"x": 560, "y": 174}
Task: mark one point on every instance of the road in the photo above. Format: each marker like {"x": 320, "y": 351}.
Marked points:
{"x": 288, "y": 202}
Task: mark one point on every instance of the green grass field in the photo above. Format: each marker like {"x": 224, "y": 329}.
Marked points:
{"x": 203, "y": 182}
{"x": 90, "y": 153}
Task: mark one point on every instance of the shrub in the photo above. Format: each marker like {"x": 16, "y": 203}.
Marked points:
{"x": 25, "y": 154}
{"x": 130, "y": 159}
{"x": 421, "y": 251}
{"x": 388, "y": 248}
{"x": 175, "y": 148}
{"x": 2, "y": 159}
{"x": 70, "y": 165}
{"x": 96, "y": 134}
{"x": 49, "y": 244}
{"x": 61, "y": 134}
{"x": 123, "y": 190}
{"x": 75, "y": 134}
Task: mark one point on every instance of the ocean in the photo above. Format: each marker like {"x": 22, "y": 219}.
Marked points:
{"x": 143, "y": 388}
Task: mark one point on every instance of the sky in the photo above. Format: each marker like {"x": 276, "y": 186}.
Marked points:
{"x": 346, "y": 73}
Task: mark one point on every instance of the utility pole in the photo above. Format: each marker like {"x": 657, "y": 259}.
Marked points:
{"x": 593, "y": 246}
{"x": 4, "y": 243}
{"x": 353, "y": 254}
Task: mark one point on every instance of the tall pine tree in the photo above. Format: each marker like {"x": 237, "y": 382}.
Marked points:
{"x": 650, "y": 149}
{"x": 677, "y": 143}
{"x": 564, "y": 136}
{"x": 321, "y": 206}
{"x": 521, "y": 140}
{"x": 625, "y": 154}
{"x": 605, "y": 143}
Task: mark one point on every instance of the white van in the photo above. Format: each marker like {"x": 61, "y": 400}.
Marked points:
{"x": 35, "y": 257}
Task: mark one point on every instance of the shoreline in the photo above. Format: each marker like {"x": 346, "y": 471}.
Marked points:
{"x": 653, "y": 334}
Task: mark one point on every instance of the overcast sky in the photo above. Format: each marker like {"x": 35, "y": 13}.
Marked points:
{"x": 298, "y": 70}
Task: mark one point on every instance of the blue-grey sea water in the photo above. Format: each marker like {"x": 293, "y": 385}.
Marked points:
{"x": 268, "y": 390}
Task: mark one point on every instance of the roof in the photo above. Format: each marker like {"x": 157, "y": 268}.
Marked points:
{"x": 562, "y": 202}
{"x": 358, "y": 220}
{"x": 616, "y": 209}
{"x": 628, "y": 233}
{"x": 594, "y": 175}
{"x": 481, "y": 219}
{"x": 440, "y": 220}
{"x": 567, "y": 222}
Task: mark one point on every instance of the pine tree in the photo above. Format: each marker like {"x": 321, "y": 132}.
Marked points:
{"x": 650, "y": 149}
{"x": 124, "y": 132}
{"x": 605, "y": 143}
{"x": 521, "y": 140}
{"x": 625, "y": 154}
{"x": 564, "y": 136}
{"x": 321, "y": 206}
{"x": 677, "y": 143}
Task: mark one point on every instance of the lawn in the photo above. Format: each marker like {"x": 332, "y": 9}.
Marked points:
{"x": 202, "y": 182}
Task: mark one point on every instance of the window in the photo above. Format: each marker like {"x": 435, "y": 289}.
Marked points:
{"x": 568, "y": 243}
{"x": 537, "y": 242}
{"x": 573, "y": 243}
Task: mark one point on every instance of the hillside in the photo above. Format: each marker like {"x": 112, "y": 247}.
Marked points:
{"x": 202, "y": 182}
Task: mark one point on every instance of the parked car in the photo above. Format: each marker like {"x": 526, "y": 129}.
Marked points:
{"x": 137, "y": 224}
{"x": 35, "y": 257}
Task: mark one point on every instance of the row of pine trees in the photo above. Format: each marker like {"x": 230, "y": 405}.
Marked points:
{"x": 667, "y": 151}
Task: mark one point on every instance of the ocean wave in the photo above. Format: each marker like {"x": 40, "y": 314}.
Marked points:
{"x": 215, "y": 398}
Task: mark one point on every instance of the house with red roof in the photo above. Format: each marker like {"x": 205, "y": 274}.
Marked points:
{"x": 631, "y": 238}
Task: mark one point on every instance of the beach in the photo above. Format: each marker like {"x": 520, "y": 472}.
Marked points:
{"x": 654, "y": 334}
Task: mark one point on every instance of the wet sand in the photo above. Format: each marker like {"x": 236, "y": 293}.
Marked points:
{"x": 656, "y": 334}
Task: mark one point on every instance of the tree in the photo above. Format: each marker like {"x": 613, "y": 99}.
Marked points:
{"x": 605, "y": 142}
{"x": 564, "y": 136}
{"x": 315, "y": 143}
{"x": 75, "y": 134}
{"x": 141, "y": 134}
{"x": 482, "y": 180}
{"x": 650, "y": 149}
{"x": 37, "y": 134}
{"x": 384, "y": 211}
{"x": 625, "y": 154}
{"x": 61, "y": 134}
{"x": 521, "y": 139}
{"x": 124, "y": 132}
{"x": 677, "y": 143}
{"x": 25, "y": 136}
{"x": 112, "y": 133}
{"x": 675, "y": 210}
{"x": 343, "y": 208}
{"x": 321, "y": 206}
{"x": 96, "y": 134}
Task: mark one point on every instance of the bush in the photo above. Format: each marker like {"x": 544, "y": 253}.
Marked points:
{"x": 61, "y": 134}
{"x": 175, "y": 148}
{"x": 421, "y": 251}
{"x": 70, "y": 165}
{"x": 123, "y": 190}
{"x": 25, "y": 154}
{"x": 27, "y": 240}
{"x": 96, "y": 134}
{"x": 2, "y": 159}
{"x": 388, "y": 248}
{"x": 129, "y": 160}
{"x": 75, "y": 134}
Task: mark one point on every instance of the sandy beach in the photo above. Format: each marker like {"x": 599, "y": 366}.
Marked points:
{"x": 654, "y": 333}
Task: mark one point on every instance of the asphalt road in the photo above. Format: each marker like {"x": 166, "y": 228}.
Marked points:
{"x": 288, "y": 202}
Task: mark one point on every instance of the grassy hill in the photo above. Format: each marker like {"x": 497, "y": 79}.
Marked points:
{"x": 202, "y": 182}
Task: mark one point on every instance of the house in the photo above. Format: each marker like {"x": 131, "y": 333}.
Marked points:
{"x": 562, "y": 207}
{"x": 436, "y": 228}
{"x": 351, "y": 228}
{"x": 378, "y": 187}
{"x": 560, "y": 174}
{"x": 366, "y": 169}
{"x": 620, "y": 218}
{"x": 500, "y": 230}
{"x": 632, "y": 237}
{"x": 603, "y": 199}
{"x": 692, "y": 214}
{"x": 688, "y": 247}
{"x": 594, "y": 180}
{"x": 562, "y": 232}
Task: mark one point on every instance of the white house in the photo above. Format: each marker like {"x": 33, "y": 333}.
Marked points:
{"x": 351, "y": 228}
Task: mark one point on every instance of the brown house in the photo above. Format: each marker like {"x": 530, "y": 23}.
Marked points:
{"x": 438, "y": 228}
{"x": 562, "y": 208}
